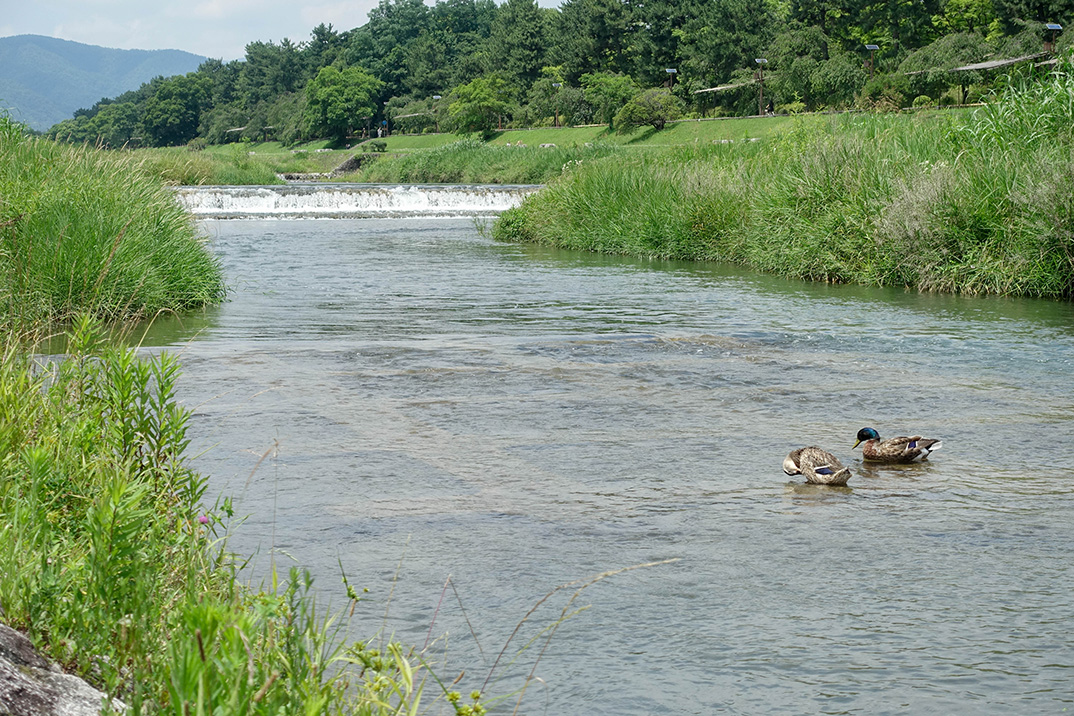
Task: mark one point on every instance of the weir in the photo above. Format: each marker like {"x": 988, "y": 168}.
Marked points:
{"x": 350, "y": 200}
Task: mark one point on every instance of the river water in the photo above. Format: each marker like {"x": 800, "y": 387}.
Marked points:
{"x": 434, "y": 404}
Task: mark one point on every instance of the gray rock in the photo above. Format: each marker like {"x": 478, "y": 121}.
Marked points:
{"x": 31, "y": 686}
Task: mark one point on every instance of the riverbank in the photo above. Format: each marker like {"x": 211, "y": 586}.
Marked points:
{"x": 510, "y": 157}
{"x": 112, "y": 561}
{"x": 87, "y": 231}
{"x": 978, "y": 204}
{"x": 112, "y": 564}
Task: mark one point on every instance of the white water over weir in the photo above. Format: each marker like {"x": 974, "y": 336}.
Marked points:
{"x": 319, "y": 201}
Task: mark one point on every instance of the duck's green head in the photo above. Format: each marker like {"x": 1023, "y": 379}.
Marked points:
{"x": 866, "y": 434}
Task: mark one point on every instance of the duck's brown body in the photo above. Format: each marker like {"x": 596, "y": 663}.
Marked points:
{"x": 895, "y": 450}
{"x": 817, "y": 466}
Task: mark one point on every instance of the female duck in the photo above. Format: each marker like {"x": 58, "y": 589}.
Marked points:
{"x": 895, "y": 450}
{"x": 818, "y": 466}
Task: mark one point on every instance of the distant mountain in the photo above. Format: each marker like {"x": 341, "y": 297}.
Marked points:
{"x": 43, "y": 80}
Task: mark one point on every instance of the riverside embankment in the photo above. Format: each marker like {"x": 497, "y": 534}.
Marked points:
{"x": 969, "y": 203}
{"x": 113, "y": 560}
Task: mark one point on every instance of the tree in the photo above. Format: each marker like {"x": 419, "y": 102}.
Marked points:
{"x": 336, "y": 99}
{"x": 322, "y": 49}
{"x": 835, "y": 81}
{"x": 794, "y": 56}
{"x": 722, "y": 37}
{"x": 929, "y": 68}
{"x": 1014, "y": 14}
{"x": 518, "y": 40}
{"x": 479, "y": 104}
{"x": 594, "y": 36}
{"x": 907, "y": 22}
{"x": 270, "y": 70}
{"x": 653, "y": 107}
{"x": 965, "y": 16}
{"x": 607, "y": 93}
{"x": 172, "y": 115}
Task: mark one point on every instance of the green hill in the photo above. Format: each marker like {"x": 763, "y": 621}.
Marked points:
{"x": 44, "y": 80}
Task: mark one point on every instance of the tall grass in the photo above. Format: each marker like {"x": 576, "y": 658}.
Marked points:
{"x": 87, "y": 231}
{"x": 228, "y": 165}
{"x": 977, "y": 204}
{"x": 469, "y": 161}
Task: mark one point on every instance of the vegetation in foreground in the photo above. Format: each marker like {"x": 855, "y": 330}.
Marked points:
{"x": 109, "y": 561}
{"x": 978, "y": 204}
{"x": 113, "y": 566}
{"x": 88, "y": 231}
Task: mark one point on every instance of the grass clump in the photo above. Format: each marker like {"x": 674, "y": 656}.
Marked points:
{"x": 980, "y": 203}
{"x": 232, "y": 164}
{"x": 87, "y": 231}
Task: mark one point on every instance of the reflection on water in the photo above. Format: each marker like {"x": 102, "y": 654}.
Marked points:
{"x": 518, "y": 418}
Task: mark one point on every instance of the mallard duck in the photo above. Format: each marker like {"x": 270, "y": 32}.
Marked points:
{"x": 818, "y": 466}
{"x": 900, "y": 450}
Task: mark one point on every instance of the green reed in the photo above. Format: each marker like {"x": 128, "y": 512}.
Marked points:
{"x": 83, "y": 230}
{"x": 932, "y": 201}
{"x": 232, "y": 164}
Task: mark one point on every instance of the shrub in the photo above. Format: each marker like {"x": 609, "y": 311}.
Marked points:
{"x": 654, "y": 107}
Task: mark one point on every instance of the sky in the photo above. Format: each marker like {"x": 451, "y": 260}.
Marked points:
{"x": 219, "y": 29}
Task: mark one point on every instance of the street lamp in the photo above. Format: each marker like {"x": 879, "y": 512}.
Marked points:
{"x": 761, "y": 62}
{"x": 557, "y": 85}
{"x": 871, "y": 49}
{"x": 1054, "y": 27}
{"x": 671, "y": 76}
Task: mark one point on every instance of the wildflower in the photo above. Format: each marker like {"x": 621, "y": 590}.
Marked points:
{"x": 203, "y": 519}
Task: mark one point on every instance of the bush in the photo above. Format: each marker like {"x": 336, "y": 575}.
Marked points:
{"x": 654, "y": 107}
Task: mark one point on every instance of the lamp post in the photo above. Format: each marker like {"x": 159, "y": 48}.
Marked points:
{"x": 871, "y": 49}
{"x": 436, "y": 112}
{"x": 671, "y": 76}
{"x": 1049, "y": 46}
{"x": 557, "y": 85}
{"x": 761, "y": 62}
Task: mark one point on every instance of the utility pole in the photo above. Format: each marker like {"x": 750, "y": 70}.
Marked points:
{"x": 872, "y": 49}
{"x": 761, "y": 62}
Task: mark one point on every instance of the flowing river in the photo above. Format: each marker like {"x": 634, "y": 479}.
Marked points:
{"x": 407, "y": 400}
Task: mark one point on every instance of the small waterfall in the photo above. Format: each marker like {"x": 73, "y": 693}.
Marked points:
{"x": 349, "y": 200}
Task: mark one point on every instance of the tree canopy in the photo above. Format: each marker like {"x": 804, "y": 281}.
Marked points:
{"x": 524, "y": 65}
{"x": 337, "y": 99}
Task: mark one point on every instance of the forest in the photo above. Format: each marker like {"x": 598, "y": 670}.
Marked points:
{"x": 473, "y": 67}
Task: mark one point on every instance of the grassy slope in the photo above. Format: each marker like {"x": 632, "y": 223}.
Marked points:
{"x": 935, "y": 201}
{"x": 260, "y": 162}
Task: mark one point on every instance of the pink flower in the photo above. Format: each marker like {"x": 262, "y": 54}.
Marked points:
{"x": 204, "y": 519}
